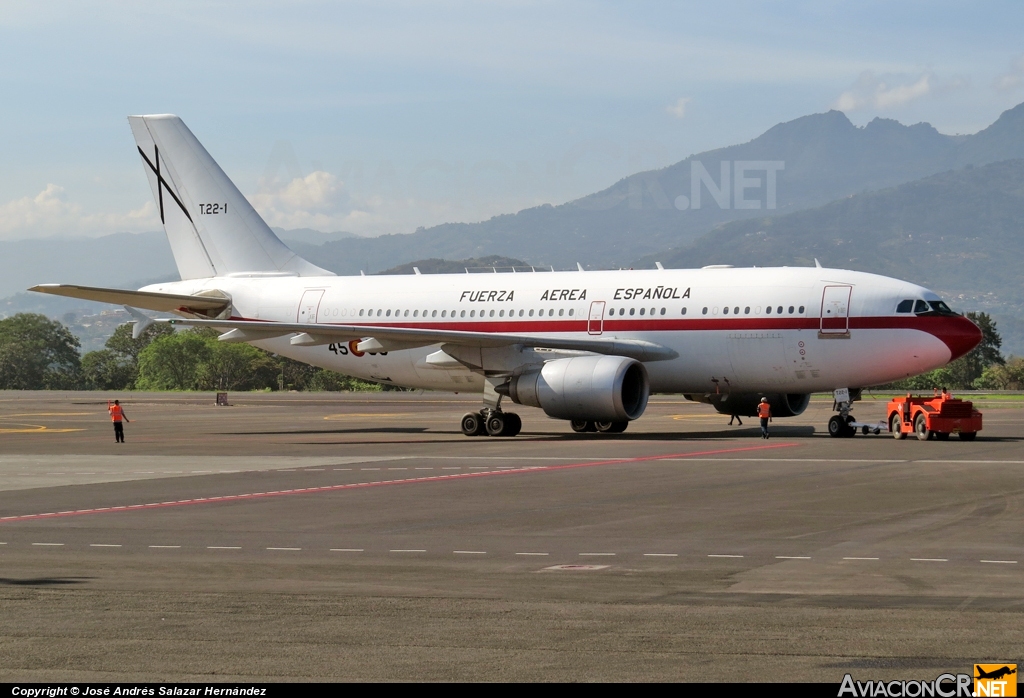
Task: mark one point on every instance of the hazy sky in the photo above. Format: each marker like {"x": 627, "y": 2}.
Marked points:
{"x": 381, "y": 117}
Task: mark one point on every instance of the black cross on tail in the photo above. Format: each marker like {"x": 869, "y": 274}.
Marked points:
{"x": 161, "y": 183}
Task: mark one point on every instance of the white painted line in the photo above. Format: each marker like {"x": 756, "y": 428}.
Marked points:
{"x": 424, "y": 468}
{"x": 661, "y": 554}
{"x": 1000, "y": 562}
{"x": 725, "y": 556}
{"x": 223, "y": 547}
{"x": 452, "y": 467}
{"x": 596, "y": 554}
{"x": 104, "y": 545}
{"x": 54, "y": 544}
{"x": 314, "y": 470}
{"x": 792, "y": 557}
{"x": 340, "y": 469}
{"x": 165, "y": 546}
{"x": 346, "y": 550}
{"x": 470, "y": 552}
{"x": 541, "y": 554}
{"x": 860, "y": 558}
{"x": 369, "y": 468}
{"x": 284, "y": 548}
{"x": 408, "y": 551}
{"x": 929, "y": 559}
{"x": 397, "y": 468}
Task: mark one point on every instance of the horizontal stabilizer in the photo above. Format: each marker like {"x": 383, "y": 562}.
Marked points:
{"x": 161, "y": 302}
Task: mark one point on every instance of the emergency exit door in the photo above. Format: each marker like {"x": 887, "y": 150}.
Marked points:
{"x": 835, "y": 311}
{"x": 309, "y": 305}
{"x": 595, "y": 324}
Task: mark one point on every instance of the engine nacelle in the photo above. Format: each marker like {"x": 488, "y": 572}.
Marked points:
{"x": 745, "y": 404}
{"x": 593, "y": 388}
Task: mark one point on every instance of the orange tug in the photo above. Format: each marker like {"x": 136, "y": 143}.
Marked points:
{"x": 938, "y": 416}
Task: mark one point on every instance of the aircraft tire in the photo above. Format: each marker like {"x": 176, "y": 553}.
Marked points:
{"x": 896, "y": 427}
{"x": 611, "y": 427}
{"x": 921, "y": 428}
{"x": 836, "y": 426}
{"x": 472, "y": 424}
{"x": 581, "y": 426}
{"x": 496, "y": 424}
{"x": 513, "y": 424}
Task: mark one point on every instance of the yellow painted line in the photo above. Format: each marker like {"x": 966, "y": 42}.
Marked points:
{"x": 36, "y": 429}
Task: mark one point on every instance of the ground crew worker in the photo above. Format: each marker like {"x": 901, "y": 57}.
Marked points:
{"x": 764, "y": 411}
{"x": 116, "y": 415}
{"x": 737, "y": 418}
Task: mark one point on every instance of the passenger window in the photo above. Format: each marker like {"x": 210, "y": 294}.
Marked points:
{"x": 551, "y": 312}
{"x": 736, "y": 310}
{"x": 570, "y": 312}
{"x": 714, "y": 310}
{"x": 662, "y": 311}
{"x": 360, "y": 312}
{"x": 520, "y": 312}
{"x": 705, "y": 311}
{"x": 642, "y": 310}
{"x": 632, "y": 311}
{"x": 472, "y": 313}
{"x": 443, "y": 312}
{"x": 801, "y": 310}
{"x": 768, "y": 310}
{"x": 779, "y": 310}
{"x": 433, "y": 313}
{"x": 405, "y": 314}
{"x": 746, "y": 311}
{"x": 379, "y": 311}
{"x": 652, "y": 311}
{"x": 920, "y": 307}
{"x": 725, "y": 311}
{"x": 561, "y": 312}
{"x": 791, "y": 309}
{"x": 462, "y": 314}
{"x": 415, "y": 313}
{"x": 388, "y": 314}
{"x": 531, "y": 313}
{"x": 684, "y": 310}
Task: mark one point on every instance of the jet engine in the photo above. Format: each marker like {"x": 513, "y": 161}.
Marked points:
{"x": 595, "y": 388}
{"x": 745, "y": 404}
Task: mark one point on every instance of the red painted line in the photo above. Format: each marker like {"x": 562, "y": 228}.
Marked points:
{"x": 382, "y": 483}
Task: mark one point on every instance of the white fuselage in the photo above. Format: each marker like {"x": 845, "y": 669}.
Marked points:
{"x": 785, "y": 330}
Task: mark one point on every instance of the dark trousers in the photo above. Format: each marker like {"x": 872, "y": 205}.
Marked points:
{"x": 764, "y": 426}
{"x": 119, "y": 432}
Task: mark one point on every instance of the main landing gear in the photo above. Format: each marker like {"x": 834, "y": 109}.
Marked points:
{"x": 581, "y": 426}
{"x": 492, "y": 422}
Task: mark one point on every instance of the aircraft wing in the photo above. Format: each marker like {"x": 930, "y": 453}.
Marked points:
{"x": 394, "y": 338}
{"x": 161, "y": 302}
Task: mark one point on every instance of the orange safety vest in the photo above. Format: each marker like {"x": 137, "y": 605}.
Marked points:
{"x": 115, "y": 413}
{"x": 764, "y": 410}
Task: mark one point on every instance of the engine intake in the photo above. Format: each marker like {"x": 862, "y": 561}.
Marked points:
{"x": 745, "y": 404}
{"x": 594, "y": 388}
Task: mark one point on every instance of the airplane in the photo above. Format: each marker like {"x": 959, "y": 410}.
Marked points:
{"x": 588, "y": 347}
{"x": 996, "y": 673}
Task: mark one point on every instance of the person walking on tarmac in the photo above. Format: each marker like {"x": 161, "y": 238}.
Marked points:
{"x": 116, "y": 415}
{"x": 737, "y": 418}
{"x": 764, "y": 411}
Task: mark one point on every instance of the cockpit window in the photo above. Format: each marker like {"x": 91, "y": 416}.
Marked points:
{"x": 905, "y": 306}
{"x": 920, "y": 307}
{"x": 940, "y": 307}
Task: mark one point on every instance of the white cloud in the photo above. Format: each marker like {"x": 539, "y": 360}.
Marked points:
{"x": 50, "y": 213}
{"x": 678, "y": 110}
{"x": 318, "y": 200}
{"x": 1013, "y": 79}
{"x": 884, "y": 91}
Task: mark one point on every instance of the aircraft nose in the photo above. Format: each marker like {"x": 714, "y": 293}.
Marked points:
{"x": 959, "y": 334}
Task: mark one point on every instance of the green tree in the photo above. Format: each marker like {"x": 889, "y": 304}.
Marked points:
{"x": 1006, "y": 376}
{"x": 174, "y": 361}
{"x": 108, "y": 370}
{"x": 37, "y": 353}
{"x": 123, "y": 343}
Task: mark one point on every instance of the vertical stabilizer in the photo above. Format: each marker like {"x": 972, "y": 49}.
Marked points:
{"x": 211, "y": 227}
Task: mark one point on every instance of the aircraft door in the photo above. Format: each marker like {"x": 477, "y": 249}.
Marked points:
{"x": 595, "y": 325}
{"x": 309, "y": 305}
{"x": 835, "y": 311}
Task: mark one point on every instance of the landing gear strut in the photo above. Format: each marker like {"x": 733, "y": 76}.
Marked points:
{"x": 843, "y": 425}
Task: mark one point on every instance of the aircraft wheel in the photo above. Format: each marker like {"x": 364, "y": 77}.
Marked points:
{"x": 836, "y": 426}
{"x": 896, "y": 427}
{"x": 611, "y": 427}
{"x": 496, "y": 424}
{"x": 513, "y": 424}
{"x": 968, "y": 435}
{"x": 850, "y": 432}
{"x": 472, "y": 424}
{"x": 581, "y": 426}
{"x": 942, "y": 435}
{"x": 921, "y": 428}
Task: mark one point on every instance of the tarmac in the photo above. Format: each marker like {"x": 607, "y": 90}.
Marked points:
{"x": 351, "y": 537}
